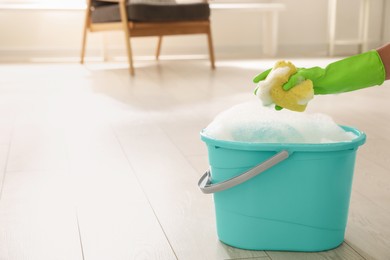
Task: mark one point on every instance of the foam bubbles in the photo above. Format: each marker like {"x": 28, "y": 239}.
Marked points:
{"x": 264, "y": 86}
{"x": 252, "y": 122}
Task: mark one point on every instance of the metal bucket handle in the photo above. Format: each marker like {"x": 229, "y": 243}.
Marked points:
{"x": 207, "y": 187}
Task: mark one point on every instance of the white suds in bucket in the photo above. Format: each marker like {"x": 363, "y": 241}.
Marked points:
{"x": 252, "y": 122}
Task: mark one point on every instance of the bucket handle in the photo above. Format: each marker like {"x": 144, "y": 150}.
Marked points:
{"x": 207, "y": 187}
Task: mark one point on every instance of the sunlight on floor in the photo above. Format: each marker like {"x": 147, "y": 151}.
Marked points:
{"x": 96, "y": 164}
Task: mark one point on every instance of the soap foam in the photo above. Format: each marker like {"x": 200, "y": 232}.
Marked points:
{"x": 252, "y": 122}
{"x": 264, "y": 86}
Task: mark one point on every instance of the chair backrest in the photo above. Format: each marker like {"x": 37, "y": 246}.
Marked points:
{"x": 151, "y": 11}
{"x": 152, "y": 1}
{"x": 96, "y": 3}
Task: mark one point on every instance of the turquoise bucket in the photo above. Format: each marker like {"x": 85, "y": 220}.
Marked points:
{"x": 290, "y": 197}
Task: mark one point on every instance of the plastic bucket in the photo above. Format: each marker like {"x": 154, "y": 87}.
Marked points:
{"x": 299, "y": 202}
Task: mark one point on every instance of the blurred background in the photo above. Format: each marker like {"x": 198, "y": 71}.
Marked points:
{"x": 31, "y": 30}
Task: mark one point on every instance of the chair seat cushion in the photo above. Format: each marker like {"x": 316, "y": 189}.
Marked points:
{"x": 149, "y": 11}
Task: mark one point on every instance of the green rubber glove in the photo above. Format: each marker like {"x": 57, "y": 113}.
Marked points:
{"x": 349, "y": 74}
{"x": 261, "y": 76}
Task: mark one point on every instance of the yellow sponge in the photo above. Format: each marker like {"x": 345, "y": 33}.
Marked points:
{"x": 295, "y": 99}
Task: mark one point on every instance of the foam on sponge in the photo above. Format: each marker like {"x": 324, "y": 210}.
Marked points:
{"x": 270, "y": 91}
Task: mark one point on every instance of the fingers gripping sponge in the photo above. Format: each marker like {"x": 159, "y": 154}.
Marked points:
{"x": 271, "y": 91}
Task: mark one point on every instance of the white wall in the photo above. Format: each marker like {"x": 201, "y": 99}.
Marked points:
{"x": 27, "y": 34}
{"x": 304, "y": 28}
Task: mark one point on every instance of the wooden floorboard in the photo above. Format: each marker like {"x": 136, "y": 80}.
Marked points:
{"x": 37, "y": 218}
{"x": 96, "y": 164}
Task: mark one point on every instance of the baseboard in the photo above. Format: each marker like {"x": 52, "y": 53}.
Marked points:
{"x": 173, "y": 52}
{"x": 118, "y": 53}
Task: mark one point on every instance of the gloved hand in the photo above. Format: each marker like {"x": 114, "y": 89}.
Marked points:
{"x": 349, "y": 74}
{"x": 270, "y": 91}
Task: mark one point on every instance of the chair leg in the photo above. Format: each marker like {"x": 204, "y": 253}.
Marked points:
{"x": 158, "y": 51}
{"x": 211, "y": 48}
{"x": 123, "y": 12}
{"x": 104, "y": 46}
{"x": 129, "y": 55}
{"x": 84, "y": 40}
{"x": 83, "y": 46}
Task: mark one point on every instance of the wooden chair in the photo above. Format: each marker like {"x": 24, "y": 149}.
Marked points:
{"x": 124, "y": 17}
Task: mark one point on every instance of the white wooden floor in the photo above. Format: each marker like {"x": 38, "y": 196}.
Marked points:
{"x": 95, "y": 164}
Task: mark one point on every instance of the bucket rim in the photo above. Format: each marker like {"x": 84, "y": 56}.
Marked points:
{"x": 291, "y": 147}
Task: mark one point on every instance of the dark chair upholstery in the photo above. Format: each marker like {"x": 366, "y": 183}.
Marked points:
{"x": 148, "y": 18}
{"x": 148, "y": 12}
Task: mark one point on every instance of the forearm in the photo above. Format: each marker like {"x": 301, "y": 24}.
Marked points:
{"x": 384, "y": 53}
